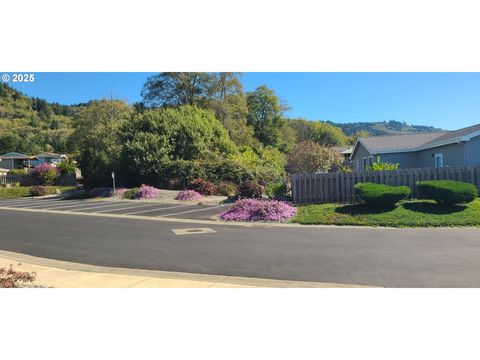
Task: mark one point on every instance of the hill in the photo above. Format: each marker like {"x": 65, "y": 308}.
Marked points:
{"x": 32, "y": 125}
{"x": 391, "y": 127}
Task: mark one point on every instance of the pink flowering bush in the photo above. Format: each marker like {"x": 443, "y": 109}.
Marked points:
{"x": 259, "y": 210}
{"x": 146, "y": 192}
{"x": 188, "y": 195}
{"x": 119, "y": 193}
{"x": 45, "y": 173}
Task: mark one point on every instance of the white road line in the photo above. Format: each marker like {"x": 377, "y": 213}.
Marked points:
{"x": 190, "y": 211}
{"x": 130, "y": 207}
{"x": 144, "y": 211}
{"x": 98, "y": 206}
{"x": 26, "y": 201}
{"x": 33, "y": 206}
{"x": 70, "y": 205}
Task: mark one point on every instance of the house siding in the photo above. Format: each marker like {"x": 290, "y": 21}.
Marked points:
{"x": 405, "y": 160}
{"x": 453, "y": 154}
{"x": 357, "y": 157}
{"x": 473, "y": 151}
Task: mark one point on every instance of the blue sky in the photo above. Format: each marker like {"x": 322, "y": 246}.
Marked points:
{"x": 446, "y": 100}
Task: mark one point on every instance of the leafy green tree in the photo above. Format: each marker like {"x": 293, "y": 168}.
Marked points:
{"x": 321, "y": 132}
{"x": 310, "y": 157}
{"x": 96, "y": 135}
{"x": 157, "y": 137}
{"x": 177, "y": 89}
{"x": 265, "y": 115}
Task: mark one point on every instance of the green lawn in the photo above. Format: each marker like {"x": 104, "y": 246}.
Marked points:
{"x": 22, "y": 191}
{"x": 415, "y": 213}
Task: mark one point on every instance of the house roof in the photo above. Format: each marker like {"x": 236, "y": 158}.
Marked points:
{"x": 53, "y": 155}
{"x": 15, "y": 155}
{"x": 416, "y": 142}
{"x": 343, "y": 149}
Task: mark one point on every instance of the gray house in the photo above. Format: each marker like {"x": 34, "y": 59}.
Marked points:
{"x": 439, "y": 149}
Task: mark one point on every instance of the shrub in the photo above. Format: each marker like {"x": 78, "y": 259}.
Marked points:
{"x": 119, "y": 193}
{"x": 100, "y": 192}
{"x": 259, "y": 210}
{"x": 187, "y": 195}
{"x": 130, "y": 193}
{"x": 250, "y": 189}
{"x": 226, "y": 188}
{"x": 278, "y": 190}
{"x": 203, "y": 187}
{"x": 10, "y": 278}
{"x": 18, "y": 172}
{"x": 67, "y": 167}
{"x": 45, "y": 173}
{"x": 380, "y": 195}
{"x": 38, "y": 190}
{"x": 146, "y": 192}
{"x": 447, "y": 192}
{"x": 310, "y": 157}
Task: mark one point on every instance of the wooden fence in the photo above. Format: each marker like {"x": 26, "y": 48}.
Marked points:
{"x": 27, "y": 180}
{"x": 339, "y": 186}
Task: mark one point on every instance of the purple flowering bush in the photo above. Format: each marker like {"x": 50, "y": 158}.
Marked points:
{"x": 146, "y": 192}
{"x": 119, "y": 193}
{"x": 45, "y": 173}
{"x": 186, "y": 195}
{"x": 259, "y": 210}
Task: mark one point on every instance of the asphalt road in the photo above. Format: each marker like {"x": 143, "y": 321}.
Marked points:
{"x": 379, "y": 257}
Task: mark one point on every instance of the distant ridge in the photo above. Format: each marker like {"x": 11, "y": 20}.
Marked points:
{"x": 377, "y": 128}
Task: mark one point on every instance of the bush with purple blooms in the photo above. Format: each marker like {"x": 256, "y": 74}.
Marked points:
{"x": 146, "y": 192}
{"x": 119, "y": 193}
{"x": 187, "y": 195}
{"x": 45, "y": 173}
{"x": 259, "y": 210}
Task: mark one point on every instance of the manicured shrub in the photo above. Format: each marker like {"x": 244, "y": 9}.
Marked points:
{"x": 250, "y": 189}
{"x": 45, "y": 173}
{"x": 447, "y": 192}
{"x": 259, "y": 210}
{"x": 18, "y": 172}
{"x": 380, "y": 195}
{"x": 146, "y": 192}
{"x": 226, "y": 188}
{"x": 100, "y": 192}
{"x": 278, "y": 190}
{"x": 203, "y": 187}
{"x": 38, "y": 190}
{"x": 130, "y": 193}
{"x": 187, "y": 195}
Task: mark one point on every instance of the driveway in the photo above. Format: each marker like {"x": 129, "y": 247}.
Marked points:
{"x": 362, "y": 256}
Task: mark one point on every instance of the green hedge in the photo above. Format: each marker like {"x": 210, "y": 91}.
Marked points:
{"x": 23, "y": 191}
{"x": 380, "y": 195}
{"x": 447, "y": 192}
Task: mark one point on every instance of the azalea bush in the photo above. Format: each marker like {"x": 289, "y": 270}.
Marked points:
{"x": 259, "y": 210}
{"x": 45, "y": 173}
{"x": 39, "y": 190}
{"x": 146, "y": 192}
{"x": 10, "y": 278}
{"x": 188, "y": 195}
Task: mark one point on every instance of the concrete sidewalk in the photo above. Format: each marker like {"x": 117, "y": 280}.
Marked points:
{"x": 62, "y": 274}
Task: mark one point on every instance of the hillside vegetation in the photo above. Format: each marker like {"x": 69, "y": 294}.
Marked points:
{"x": 391, "y": 127}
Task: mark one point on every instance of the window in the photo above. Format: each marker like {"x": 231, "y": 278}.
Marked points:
{"x": 438, "y": 160}
{"x": 365, "y": 164}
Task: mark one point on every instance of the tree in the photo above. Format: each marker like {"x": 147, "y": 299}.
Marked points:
{"x": 157, "y": 137}
{"x": 177, "y": 89}
{"x": 359, "y": 134}
{"x": 96, "y": 135}
{"x": 310, "y": 157}
{"x": 265, "y": 115}
{"x": 318, "y": 131}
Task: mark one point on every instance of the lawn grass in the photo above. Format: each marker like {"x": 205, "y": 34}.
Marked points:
{"x": 23, "y": 191}
{"x": 414, "y": 213}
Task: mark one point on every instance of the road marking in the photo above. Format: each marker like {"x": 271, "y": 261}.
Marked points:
{"x": 98, "y": 206}
{"x": 190, "y": 211}
{"x": 26, "y": 201}
{"x": 148, "y": 210}
{"x": 33, "y": 206}
{"x": 70, "y": 205}
{"x": 193, "y": 231}
{"x": 125, "y": 208}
